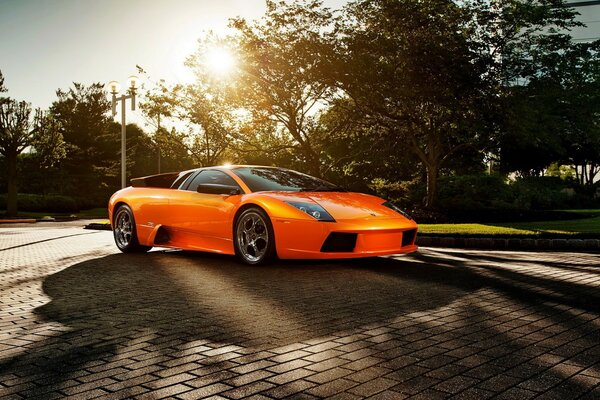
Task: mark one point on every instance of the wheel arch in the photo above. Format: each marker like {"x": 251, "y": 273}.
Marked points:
{"x": 115, "y": 208}
{"x": 243, "y": 208}
{"x": 262, "y": 208}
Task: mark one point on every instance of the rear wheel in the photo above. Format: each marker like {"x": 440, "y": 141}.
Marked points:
{"x": 125, "y": 233}
{"x": 254, "y": 239}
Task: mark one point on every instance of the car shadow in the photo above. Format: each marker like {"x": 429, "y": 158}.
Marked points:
{"x": 170, "y": 299}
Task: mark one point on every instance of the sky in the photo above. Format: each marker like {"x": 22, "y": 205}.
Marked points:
{"x": 590, "y": 16}
{"x": 48, "y": 44}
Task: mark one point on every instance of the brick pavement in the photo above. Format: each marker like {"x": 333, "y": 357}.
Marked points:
{"x": 79, "y": 319}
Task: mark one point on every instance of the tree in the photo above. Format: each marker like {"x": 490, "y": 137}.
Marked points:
{"x": 545, "y": 85}
{"x": 516, "y": 38}
{"x": 411, "y": 68}
{"x": 84, "y": 112}
{"x": 159, "y": 105}
{"x": 531, "y": 139}
{"x": 526, "y": 46}
{"x": 278, "y": 73}
{"x": 579, "y": 76}
{"x": 20, "y": 131}
{"x": 210, "y": 125}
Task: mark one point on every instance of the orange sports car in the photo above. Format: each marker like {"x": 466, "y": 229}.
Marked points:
{"x": 256, "y": 213}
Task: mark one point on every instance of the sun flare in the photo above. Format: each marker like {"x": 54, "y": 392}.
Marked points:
{"x": 220, "y": 60}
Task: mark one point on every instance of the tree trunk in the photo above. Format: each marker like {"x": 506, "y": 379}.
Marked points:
{"x": 313, "y": 162}
{"x": 432, "y": 180}
{"x": 314, "y": 168}
{"x": 11, "y": 198}
{"x": 592, "y": 174}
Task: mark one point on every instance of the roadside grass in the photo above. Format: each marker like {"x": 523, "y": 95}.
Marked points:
{"x": 472, "y": 230}
{"x": 582, "y": 227}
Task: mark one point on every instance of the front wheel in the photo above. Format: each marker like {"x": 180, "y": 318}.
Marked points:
{"x": 125, "y": 233}
{"x": 254, "y": 239}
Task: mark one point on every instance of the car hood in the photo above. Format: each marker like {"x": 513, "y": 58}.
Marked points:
{"x": 342, "y": 205}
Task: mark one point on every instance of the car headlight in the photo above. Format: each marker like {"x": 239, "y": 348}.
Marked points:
{"x": 394, "y": 207}
{"x": 314, "y": 210}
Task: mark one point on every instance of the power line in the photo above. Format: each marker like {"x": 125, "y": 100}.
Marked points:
{"x": 583, "y": 3}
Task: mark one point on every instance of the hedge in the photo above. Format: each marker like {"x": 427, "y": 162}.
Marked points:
{"x": 51, "y": 203}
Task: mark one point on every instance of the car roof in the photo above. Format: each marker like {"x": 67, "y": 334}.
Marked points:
{"x": 234, "y": 167}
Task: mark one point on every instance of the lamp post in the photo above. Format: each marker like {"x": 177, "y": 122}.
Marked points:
{"x": 114, "y": 87}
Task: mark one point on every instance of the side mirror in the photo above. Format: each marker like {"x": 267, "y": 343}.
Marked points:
{"x": 215, "y": 188}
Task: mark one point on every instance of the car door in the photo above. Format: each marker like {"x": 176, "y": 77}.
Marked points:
{"x": 205, "y": 219}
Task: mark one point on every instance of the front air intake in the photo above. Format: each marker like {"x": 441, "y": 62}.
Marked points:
{"x": 408, "y": 237}
{"x": 339, "y": 242}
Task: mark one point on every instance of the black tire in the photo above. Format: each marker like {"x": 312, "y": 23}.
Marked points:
{"x": 124, "y": 231}
{"x": 253, "y": 237}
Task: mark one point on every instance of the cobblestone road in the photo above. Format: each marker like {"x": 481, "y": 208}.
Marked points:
{"x": 79, "y": 319}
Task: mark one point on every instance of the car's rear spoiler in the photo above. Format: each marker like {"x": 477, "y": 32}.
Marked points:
{"x": 157, "y": 181}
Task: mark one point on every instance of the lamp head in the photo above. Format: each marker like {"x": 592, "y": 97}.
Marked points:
{"x": 113, "y": 87}
{"x": 133, "y": 82}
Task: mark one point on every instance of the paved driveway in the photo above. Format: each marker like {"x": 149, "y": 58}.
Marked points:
{"x": 78, "y": 318}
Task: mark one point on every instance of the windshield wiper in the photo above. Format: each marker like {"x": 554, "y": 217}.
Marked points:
{"x": 323, "y": 189}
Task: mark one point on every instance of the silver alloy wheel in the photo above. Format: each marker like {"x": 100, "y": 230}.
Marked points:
{"x": 252, "y": 236}
{"x": 123, "y": 228}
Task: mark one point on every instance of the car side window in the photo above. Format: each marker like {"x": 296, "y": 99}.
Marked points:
{"x": 211, "y": 176}
{"x": 181, "y": 180}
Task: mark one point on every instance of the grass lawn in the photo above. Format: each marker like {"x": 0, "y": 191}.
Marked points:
{"x": 588, "y": 227}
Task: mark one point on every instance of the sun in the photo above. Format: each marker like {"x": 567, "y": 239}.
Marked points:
{"x": 220, "y": 60}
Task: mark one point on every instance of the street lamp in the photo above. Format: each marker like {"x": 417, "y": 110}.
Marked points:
{"x": 114, "y": 88}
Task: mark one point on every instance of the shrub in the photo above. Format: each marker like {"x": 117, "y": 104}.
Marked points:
{"x": 60, "y": 204}
{"x": 46, "y": 203}
{"x": 403, "y": 193}
{"x": 540, "y": 193}
{"x": 473, "y": 192}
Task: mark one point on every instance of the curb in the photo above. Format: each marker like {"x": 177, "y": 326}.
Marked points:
{"x": 18, "y": 221}
{"x": 510, "y": 244}
{"x": 98, "y": 227}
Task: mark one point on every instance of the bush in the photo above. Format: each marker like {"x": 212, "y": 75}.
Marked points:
{"x": 60, "y": 204}
{"x": 541, "y": 193}
{"x": 405, "y": 193}
{"x": 86, "y": 203}
{"x": 490, "y": 198}
{"x": 44, "y": 203}
{"x": 474, "y": 192}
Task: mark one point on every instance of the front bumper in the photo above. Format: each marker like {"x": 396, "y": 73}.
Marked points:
{"x": 374, "y": 237}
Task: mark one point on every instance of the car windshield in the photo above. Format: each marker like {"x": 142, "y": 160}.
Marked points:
{"x": 260, "y": 179}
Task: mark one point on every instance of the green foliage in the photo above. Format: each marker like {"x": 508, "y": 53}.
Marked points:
{"x": 19, "y": 130}
{"x": 83, "y": 112}
{"x": 161, "y": 104}
{"x": 564, "y": 172}
{"x": 412, "y": 69}
{"x": 278, "y": 81}
{"x": 403, "y": 193}
{"x": 48, "y": 144}
{"x": 44, "y": 203}
{"x": 474, "y": 192}
{"x": 545, "y": 85}
{"x": 540, "y": 193}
